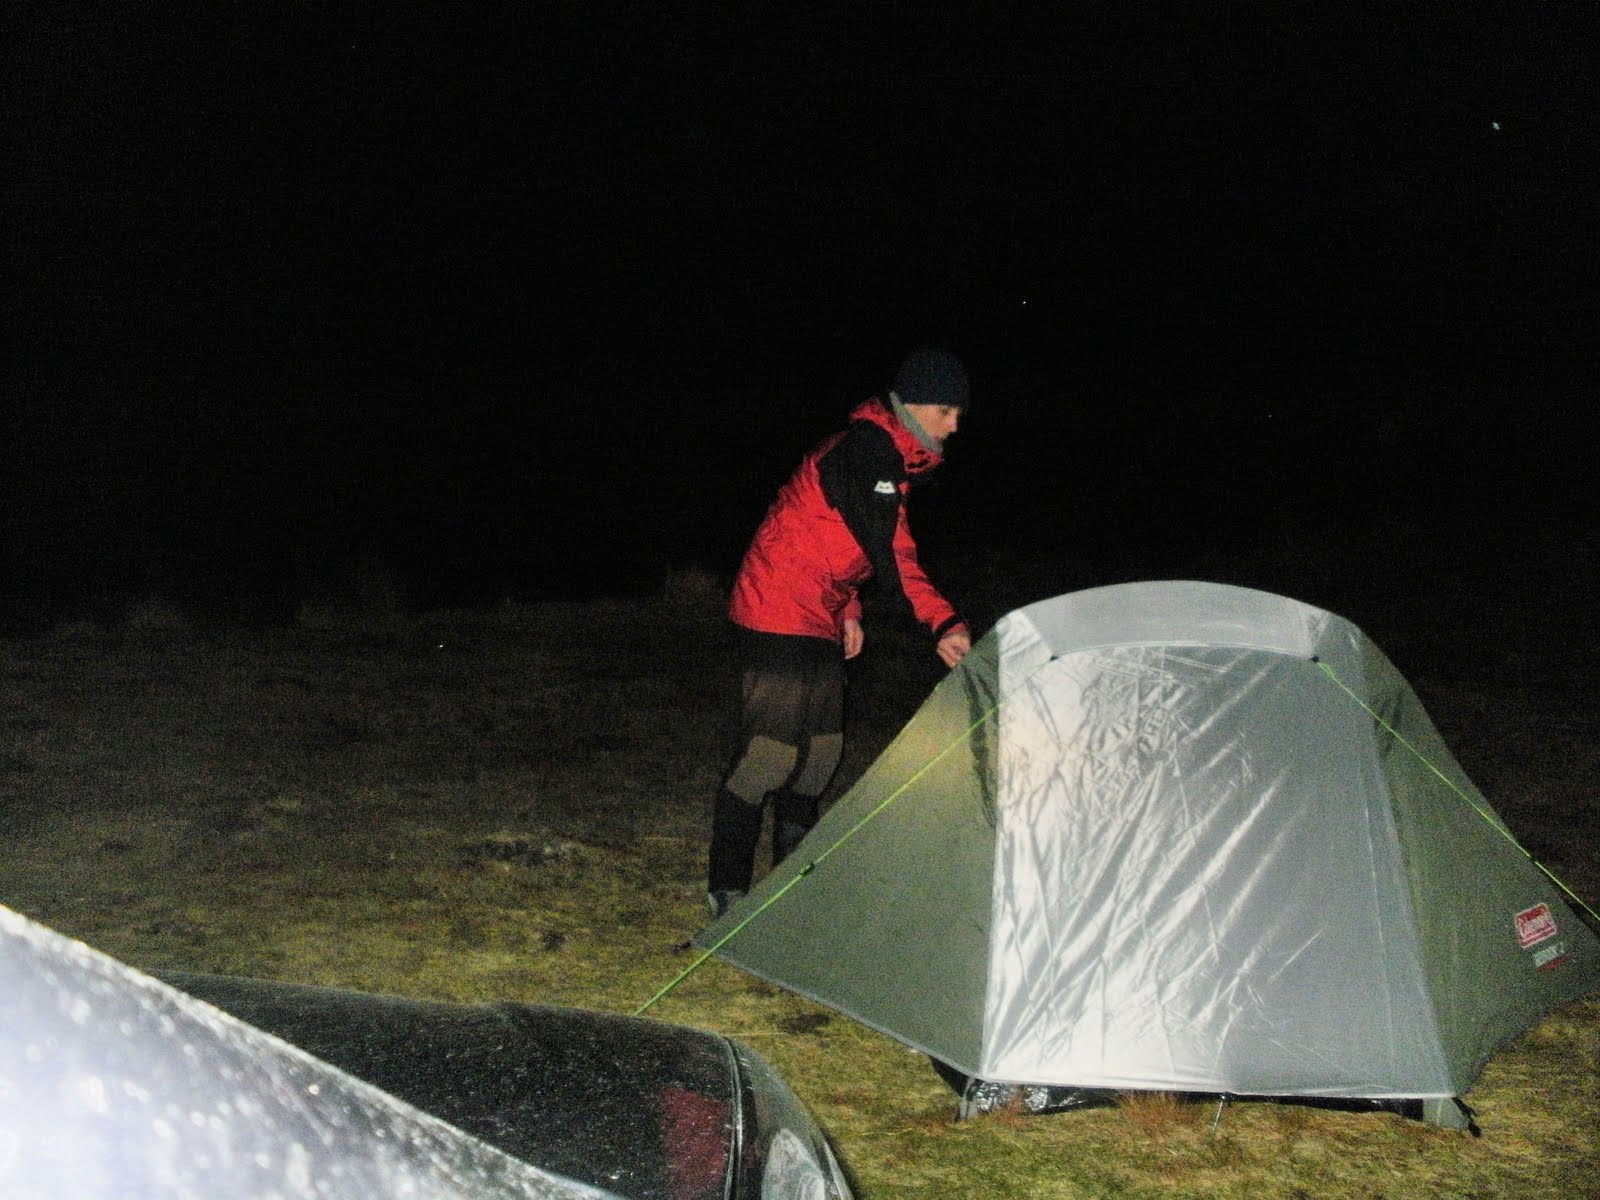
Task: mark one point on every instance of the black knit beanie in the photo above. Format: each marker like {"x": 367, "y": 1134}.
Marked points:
{"x": 932, "y": 376}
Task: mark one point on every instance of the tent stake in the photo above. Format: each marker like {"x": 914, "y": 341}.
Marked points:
{"x": 1222, "y": 1103}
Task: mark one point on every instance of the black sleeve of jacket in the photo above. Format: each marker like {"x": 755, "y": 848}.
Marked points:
{"x": 861, "y": 479}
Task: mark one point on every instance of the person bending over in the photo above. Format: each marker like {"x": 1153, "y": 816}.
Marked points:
{"x": 838, "y": 521}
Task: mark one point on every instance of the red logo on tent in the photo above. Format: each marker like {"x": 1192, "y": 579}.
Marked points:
{"x": 1535, "y": 925}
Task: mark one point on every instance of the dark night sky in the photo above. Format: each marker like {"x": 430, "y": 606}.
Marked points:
{"x": 523, "y": 305}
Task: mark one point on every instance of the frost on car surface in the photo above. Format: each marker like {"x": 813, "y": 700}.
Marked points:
{"x": 641, "y": 1107}
{"x": 113, "y": 1083}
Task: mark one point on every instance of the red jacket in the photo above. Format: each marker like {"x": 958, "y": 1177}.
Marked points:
{"x": 840, "y": 519}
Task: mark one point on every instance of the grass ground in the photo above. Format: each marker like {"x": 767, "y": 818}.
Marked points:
{"x": 513, "y": 804}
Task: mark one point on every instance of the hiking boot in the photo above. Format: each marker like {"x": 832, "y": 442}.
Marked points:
{"x": 721, "y": 902}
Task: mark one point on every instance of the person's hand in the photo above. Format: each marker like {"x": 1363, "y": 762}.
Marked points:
{"x": 854, "y": 637}
{"x": 954, "y": 645}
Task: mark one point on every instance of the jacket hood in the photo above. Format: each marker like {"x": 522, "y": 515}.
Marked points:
{"x": 918, "y": 458}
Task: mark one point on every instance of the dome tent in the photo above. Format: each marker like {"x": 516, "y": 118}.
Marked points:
{"x": 1174, "y": 836}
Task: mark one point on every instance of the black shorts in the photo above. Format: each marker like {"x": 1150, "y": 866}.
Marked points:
{"x": 793, "y": 687}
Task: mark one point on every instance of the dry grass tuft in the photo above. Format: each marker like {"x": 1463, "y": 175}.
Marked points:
{"x": 1157, "y": 1114}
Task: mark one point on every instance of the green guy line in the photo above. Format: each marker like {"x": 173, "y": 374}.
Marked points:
{"x": 966, "y": 733}
{"x": 819, "y": 859}
{"x": 1488, "y": 816}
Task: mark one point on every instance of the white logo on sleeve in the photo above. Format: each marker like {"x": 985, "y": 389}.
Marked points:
{"x": 884, "y": 487}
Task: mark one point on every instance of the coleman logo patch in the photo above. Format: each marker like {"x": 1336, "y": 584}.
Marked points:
{"x": 1535, "y": 925}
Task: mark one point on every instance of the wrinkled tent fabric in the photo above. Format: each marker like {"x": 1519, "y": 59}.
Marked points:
{"x": 1165, "y": 836}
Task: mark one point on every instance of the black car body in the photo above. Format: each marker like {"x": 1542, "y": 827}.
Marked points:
{"x": 639, "y": 1107}
{"x": 205, "y": 1087}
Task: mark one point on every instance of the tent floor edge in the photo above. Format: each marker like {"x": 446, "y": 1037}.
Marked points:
{"x": 978, "y": 1097}
{"x": 1449, "y": 1112}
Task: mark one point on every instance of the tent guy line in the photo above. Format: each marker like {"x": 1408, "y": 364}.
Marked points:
{"x": 1471, "y": 803}
{"x": 809, "y": 866}
{"x": 1178, "y": 860}
{"x": 813, "y": 863}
